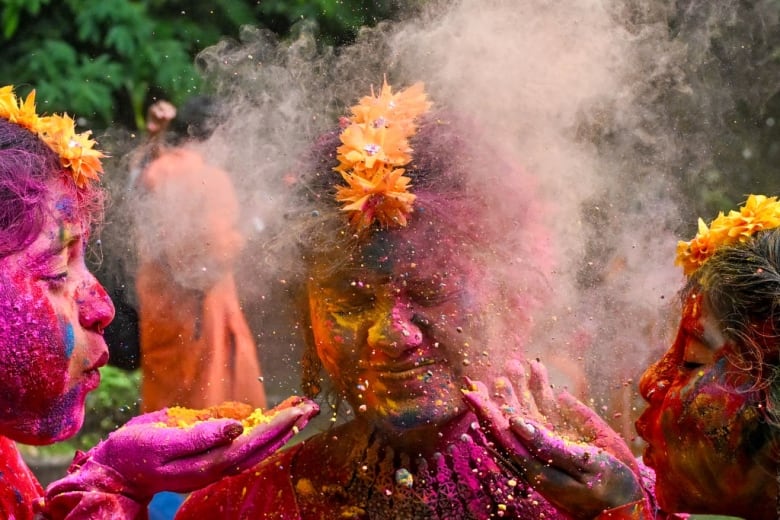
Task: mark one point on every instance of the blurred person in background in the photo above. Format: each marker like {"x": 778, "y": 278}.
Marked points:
{"x": 196, "y": 346}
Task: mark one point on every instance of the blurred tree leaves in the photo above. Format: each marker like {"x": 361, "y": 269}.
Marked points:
{"x": 106, "y": 60}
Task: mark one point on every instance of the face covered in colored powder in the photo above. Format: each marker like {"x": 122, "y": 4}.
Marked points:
{"x": 395, "y": 327}
{"x": 53, "y": 312}
{"x": 706, "y": 440}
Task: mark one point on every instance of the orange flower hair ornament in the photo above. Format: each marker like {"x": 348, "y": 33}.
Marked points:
{"x": 758, "y": 213}
{"x": 375, "y": 145}
{"x": 76, "y": 151}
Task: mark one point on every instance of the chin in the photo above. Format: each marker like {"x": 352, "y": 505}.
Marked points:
{"x": 64, "y": 420}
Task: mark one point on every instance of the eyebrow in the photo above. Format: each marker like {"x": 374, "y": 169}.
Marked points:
{"x": 56, "y": 247}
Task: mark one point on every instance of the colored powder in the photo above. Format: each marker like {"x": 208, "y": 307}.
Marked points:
{"x": 181, "y": 417}
{"x": 70, "y": 340}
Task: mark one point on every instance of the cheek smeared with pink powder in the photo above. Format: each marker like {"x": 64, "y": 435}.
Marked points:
{"x": 33, "y": 365}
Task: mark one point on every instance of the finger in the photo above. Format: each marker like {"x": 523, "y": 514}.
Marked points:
{"x": 291, "y": 401}
{"x": 184, "y": 443}
{"x": 519, "y": 376}
{"x": 504, "y": 390}
{"x": 595, "y": 429}
{"x": 264, "y": 439}
{"x": 494, "y": 420}
{"x": 539, "y": 384}
{"x": 555, "y": 450}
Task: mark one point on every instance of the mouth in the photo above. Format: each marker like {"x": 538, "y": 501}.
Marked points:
{"x": 92, "y": 374}
{"x": 101, "y": 361}
{"x": 403, "y": 371}
{"x": 91, "y": 379}
{"x": 647, "y": 457}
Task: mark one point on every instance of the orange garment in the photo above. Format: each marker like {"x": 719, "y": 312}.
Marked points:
{"x": 196, "y": 346}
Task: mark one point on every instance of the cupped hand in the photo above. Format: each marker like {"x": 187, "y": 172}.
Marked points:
{"x": 152, "y": 457}
{"x": 559, "y": 445}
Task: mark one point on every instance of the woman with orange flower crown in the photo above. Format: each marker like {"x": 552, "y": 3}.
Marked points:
{"x": 713, "y": 422}
{"x": 399, "y": 302}
{"x": 52, "y": 316}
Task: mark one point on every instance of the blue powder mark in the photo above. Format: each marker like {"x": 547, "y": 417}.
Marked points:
{"x": 66, "y": 206}
{"x": 70, "y": 340}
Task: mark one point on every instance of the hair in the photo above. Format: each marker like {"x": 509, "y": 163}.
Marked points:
{"x": 28, "y": 168}
{"x": 741, "y": 284}
{"x": 196, "y": 119}
{"x": 446, "y": 195}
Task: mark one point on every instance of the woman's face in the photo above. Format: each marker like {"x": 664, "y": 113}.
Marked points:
{"x": 395, "y": 327}
{"x": 705, "y": 436}
{"x": 52, "y": 315}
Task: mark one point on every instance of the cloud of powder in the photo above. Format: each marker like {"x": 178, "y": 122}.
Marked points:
{"x": 587, "y": 96}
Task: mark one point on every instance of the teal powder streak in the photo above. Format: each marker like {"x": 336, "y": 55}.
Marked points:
{"x": 70, "y": 340}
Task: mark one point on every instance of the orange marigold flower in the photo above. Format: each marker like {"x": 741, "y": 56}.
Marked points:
{"x": 398, "y": 109}
{"x": 384, "y": 197}
{"x": 76, "y": 151}
{"x": 758, "y": 213}
{"x": 375, "y": 143}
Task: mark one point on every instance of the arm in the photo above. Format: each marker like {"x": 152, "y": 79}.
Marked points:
{"x": 564, "y": 449}
{"x": 118, "y": 477}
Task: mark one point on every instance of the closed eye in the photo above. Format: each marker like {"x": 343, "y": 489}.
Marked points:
{"x": 55, "y": 281}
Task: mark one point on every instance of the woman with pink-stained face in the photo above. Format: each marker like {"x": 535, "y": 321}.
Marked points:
{"x": 52, "y": 316}
{"x": 712, "y": 424}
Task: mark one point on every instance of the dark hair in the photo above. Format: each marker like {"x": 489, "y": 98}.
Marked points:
{"x": 27, "y": 168}
{"x": 742, "y": 287}
{"x": 196, "y": 118}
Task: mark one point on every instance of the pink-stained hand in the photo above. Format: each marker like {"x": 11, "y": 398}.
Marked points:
{"x": 559, "y": 445}
{"x": 147, "y": 457}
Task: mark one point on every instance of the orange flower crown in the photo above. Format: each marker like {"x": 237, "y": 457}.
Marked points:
{"x": 758, "y": 213}
{"x": 375, "y": 145}
{"x": 76, "y": 151}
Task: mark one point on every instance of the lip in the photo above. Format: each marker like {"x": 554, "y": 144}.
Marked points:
{"x": 641, "y": 426}
{"x": 91, "y": 379}
{"x": 101, "y": 361}
{"x": 401, "y": 371}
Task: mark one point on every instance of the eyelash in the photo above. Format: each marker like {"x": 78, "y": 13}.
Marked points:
{"x": 56, "y": 281}
{"x": 690, "y": 365}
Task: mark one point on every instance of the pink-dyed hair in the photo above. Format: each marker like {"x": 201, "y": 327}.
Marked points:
{"x": 29, "y": 170}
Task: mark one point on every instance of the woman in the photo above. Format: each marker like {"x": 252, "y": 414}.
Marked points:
{"x": 399, "y": 299}
{"x": 196, "y": 346}
{"x": 51, "y": 345}
{"x": 712, "y": 424}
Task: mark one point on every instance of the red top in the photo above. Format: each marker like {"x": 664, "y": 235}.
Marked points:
{"x": 18, "y": 486}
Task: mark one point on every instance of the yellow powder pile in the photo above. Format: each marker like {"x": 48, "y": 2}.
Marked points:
{"x": 180, "y": 417}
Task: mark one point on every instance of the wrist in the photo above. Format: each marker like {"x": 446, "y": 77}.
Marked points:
{"x": 88, "y": 472}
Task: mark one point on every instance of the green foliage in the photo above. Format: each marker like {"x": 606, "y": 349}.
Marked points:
{"x": 113, "y": 403}
{"x": 106, "y": 61}
{"x": 339, "y": 20}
